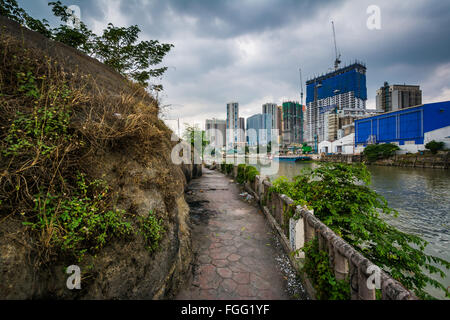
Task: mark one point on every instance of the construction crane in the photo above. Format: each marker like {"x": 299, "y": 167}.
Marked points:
{"x": 337, "y": 62}
{"x": 301, "y": 87}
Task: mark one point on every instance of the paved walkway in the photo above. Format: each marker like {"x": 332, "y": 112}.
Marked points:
{"x": 235, "y": 254}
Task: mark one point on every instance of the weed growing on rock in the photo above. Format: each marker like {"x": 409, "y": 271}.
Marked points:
{"x": 151, "y": 228}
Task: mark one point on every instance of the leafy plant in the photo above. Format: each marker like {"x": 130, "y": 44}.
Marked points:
{"x": 434, "y": 146}
{"x": 374, "y": 152}
{"x": 152, "y": 230}
{"x": 80, "y": 223}
{"x": 241, "y": 177}
{"x": 317, "y": 266}
{"x": 342, "y": 199}
{"x": 251, "y": 173}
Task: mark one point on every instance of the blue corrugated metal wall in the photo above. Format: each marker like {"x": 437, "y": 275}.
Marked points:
{"x": 403, "y": 125}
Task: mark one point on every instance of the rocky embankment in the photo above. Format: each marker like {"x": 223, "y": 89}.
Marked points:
{"x": 441, "y": 160}
{"x": 107, "y": 129}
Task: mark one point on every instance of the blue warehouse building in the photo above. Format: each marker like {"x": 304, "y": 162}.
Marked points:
{"x": 409, "y": 128}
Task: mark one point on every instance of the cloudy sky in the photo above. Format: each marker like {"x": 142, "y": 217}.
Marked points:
{"x": 250, "y": 51}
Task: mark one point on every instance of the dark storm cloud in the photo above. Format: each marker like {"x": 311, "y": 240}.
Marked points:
{"x": 223, "y": 19}
{"x": 250, "y": 50}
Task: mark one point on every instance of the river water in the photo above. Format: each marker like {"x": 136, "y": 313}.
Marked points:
{"x": 421, "y": 196}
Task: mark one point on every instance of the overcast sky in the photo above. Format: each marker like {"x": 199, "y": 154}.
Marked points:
{"x": 250, "y": 51}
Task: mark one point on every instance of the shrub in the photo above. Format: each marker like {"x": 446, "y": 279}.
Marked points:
{"x": 229, "y": 168}
{"x": 434, "y": 146}
{"x": 151, "y": 229}
{"x": 342, "y": 199}
{"x": 374, "y": 152}
{"x": 80, "y": 223}
{"x": 241, "y": 178}
{"x": 317, "y": 266}
{"x": 251, "y": 173}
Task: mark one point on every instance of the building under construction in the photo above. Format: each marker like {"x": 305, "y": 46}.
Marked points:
{"x": 342, "y": 92}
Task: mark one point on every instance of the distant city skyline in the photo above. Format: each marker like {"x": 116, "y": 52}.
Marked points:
{"x": 251, "y": 51}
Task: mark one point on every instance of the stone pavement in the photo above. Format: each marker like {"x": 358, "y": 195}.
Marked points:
{"x": 235, "y": 254}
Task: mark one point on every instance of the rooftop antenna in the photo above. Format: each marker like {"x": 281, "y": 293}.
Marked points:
{"x": 301, "y": 87}
{"x": 337, "y": 62}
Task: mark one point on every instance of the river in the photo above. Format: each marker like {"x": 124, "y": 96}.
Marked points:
{"x": 421, "y": 196}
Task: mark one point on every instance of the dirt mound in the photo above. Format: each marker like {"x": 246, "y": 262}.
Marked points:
{"x": 85, "y": 178}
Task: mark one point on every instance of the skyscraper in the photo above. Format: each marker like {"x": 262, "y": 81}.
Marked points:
{"x": 216, "y": 132}
{"x": 233, "y": 124}
{"x": 254, "y": 125}
{"x": 292, "y": 123}
{"x": 258, "y": 129}
{"x": 241, "y": 134}
{"x": 397, "y": 96}
{"x": 343, "y": 90}
{"x": 271, "y": 112}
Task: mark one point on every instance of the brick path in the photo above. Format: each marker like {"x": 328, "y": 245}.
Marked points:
{"x": 235, "y": 253}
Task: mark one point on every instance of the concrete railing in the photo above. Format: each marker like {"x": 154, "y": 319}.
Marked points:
{"x": 297, "y": 225}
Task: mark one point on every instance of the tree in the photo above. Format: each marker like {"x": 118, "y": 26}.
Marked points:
{"x": 306, "y": 148}
{"x": 117, "y": 47}
{"x": 434, "y": 146}
{"x": 195, "y": 137}
{"x": 374, "y": 152}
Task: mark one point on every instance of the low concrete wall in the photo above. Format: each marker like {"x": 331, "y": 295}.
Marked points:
{"x": 293, "y": 233}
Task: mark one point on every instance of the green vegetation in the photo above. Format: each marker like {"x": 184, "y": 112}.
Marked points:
{"x": 317, "y": 266}
{"x": 229, "y": 168}
{"x": 241, "y": 174}
{"x": 434, "y": 146}
{"x": 306, "y": 149}
{"x": 116, "y": 47}
{"x": 80, "y": 223}
{"x": 152, "y": 230}
{"x": 374, "y": 152}
{"x": 50, "y": 127}
{"x": 196, "y": 137}
{"x": 342, "y": 199}
{"x": 246, "y": 173}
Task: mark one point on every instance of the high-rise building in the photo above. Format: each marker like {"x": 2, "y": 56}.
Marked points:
{"x": 258, "y": 129}
{"x": 272, "y": 113}
{"x": 397, "y": 96}
{"x": 272, "y": 110}
{"x": 233, "y": 124}
{"x": 343, "y": 90}
{"x": 254, "y": 125}
{"x": 280, "y": 124}
{"x": 216, "y": 132}
{"x": 292, "y": 123}
{"x": 241, "y": 135}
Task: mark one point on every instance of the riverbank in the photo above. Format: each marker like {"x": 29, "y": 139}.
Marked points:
{"x": 420, "y": 195}
{"x": 426, "y": 160}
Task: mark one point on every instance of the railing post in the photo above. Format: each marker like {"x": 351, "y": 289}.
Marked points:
{"x": 354, "y": 281}
{"x": 341, "y": 267}
{"x": 309, "y": 230}
{"x": 364, "y": 292}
